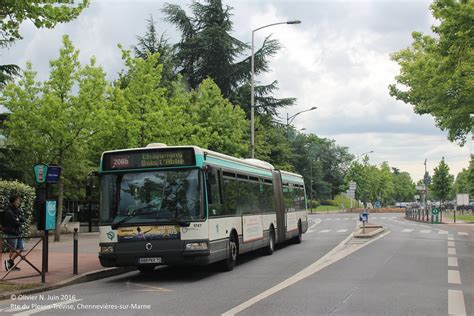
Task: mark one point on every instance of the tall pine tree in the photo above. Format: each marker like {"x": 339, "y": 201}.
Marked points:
{"x": 442, "y": 184}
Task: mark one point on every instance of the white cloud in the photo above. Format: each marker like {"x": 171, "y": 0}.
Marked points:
{"x": 338, "y": 59}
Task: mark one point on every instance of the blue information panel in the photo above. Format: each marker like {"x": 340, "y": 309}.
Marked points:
{"x": 53, "y": 174}
{"x": 50, "y": 222}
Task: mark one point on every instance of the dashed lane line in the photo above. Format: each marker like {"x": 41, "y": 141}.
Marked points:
{"x": 452, "y": 262}
{"x": 407, "y": 230}
{"x": 342, "y": 230}
{"x": 325, "y": 231}
{"x": 463, "y": 234}
{"x": 456, "y": 304}
{"x": 451, "y": 244}
{"x": 451, "y": 251}
{"x": 425, "y": 231}
{"x": 454, "y": 277}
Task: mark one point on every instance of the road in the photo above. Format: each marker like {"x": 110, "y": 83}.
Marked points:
{"x": 412, "y": 269}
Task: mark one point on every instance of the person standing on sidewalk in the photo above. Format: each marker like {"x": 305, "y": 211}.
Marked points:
{"x": 12, "y": 220}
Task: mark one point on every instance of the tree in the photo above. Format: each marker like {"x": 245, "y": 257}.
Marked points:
{"x": 43, "y": 13}
{"x": 207, "y": 49}
{"x": 56, "y": 120}
{"x": 151, "y": 43}
{"x": 441, "y": 186}
{"x": 404, "y": 187}
{"x": 462, "y": 184}
{"x": 436, "y": 72}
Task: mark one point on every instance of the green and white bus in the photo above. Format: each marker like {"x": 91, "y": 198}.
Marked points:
{"x": 178, "y": 205}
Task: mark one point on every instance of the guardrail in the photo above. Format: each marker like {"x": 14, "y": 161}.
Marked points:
{"x": 23, "y": 256}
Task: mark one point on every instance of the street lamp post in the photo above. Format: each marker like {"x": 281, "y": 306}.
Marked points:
{"x": 252, "y": 83}
{"x": 290, "y": 119}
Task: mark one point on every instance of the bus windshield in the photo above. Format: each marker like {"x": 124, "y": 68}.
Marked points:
{"x": 160, "y": 196}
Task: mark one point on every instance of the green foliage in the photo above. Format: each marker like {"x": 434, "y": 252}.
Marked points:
{"x": 51, "y": 122}
{"x": 471, "y": 176}
{"x": 441, "y": 187}
{"x": 43, "y": 13}
{"x": 436, "y": 73}
{"x": 27, "y": 193}
{"x": 207, "y": 49}
{"x": 380, "y": 183}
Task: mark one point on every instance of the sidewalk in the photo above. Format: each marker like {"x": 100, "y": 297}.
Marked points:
{"x": 60, "y": 263}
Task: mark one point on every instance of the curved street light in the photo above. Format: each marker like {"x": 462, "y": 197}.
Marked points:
{"x": 252, "y": 83}
{"x": 290, "y": 119}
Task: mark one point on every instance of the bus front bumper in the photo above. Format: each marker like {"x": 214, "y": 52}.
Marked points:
{"x": 161, "y": 252}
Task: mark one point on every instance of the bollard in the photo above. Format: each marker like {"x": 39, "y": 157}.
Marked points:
{"x": 74, "y": 250}
{"x": 46, "y": 250}
{"x": 43, "y": 261}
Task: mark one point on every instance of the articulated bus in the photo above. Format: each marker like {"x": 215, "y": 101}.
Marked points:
{"x": 179, "y": 205}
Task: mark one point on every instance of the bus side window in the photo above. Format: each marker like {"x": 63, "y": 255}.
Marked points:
{"x": 214, "y": 193}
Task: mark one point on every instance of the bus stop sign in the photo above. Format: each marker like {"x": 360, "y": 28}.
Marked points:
{"x": 434, "y": 211}
{"x": 40, "y": 170}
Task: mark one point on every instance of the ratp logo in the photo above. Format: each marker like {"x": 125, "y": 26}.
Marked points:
{"x": 110, "y": 235}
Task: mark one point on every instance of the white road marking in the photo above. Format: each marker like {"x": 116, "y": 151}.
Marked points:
{"x": 317, "y": 222}
{"x": 149, "y": 287}
{"x": 456, "y": 304}
{"x": 46, "y": 307}
{"x": 462, "y": 234}
{"x": 452, "y": 262}
{"x": 325, "y": 231}
{"x": 425, "y": 231}
{"x": 407, "y": 230}
{"x": 346, "y": 218}
{"x": 329, "y": 219}
{"x": 451, "y": 251}
{"x": 337, "y": 219}
{"x": 451, "y": 244}
{"x": 384, "y": 217}
{"x": 337, "y": 253}
{"x": 374, "y": 217}
{"x": 454, "y": 277}
{"x": 450, "y": 238}
{"x": 342, "y": 230}
{"x": 443, "y": 232}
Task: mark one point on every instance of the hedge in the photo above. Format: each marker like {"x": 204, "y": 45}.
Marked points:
{"x": 27, "y": 193}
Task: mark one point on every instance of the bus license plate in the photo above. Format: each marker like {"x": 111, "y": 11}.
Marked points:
{"x": 149, "y": 260}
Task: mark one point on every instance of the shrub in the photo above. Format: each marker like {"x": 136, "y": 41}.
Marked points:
{"x": 27, "y": 193}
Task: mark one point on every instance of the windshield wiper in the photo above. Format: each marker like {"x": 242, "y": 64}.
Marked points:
{"x": 130, "y": 216}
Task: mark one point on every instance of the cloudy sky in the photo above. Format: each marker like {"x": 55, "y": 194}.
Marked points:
{"x": 338, "y": 59}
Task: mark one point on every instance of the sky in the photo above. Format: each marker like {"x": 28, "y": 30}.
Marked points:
{"x": 337, "y": 59}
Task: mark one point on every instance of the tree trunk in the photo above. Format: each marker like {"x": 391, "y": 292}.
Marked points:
{"x": 59, "y": 213}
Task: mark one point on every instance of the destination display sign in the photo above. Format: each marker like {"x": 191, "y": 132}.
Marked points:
{"x": 150, "y": 158}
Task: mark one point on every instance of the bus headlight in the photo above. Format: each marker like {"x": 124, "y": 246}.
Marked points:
{"x": 196, "y": 246}
{"x": 106, "y": 249}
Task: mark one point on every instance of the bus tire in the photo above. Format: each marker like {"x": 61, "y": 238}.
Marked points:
{"x": 298, "y": 239}
{"x": 270, "y": 248}
{"x": 146, "y": 269}
{"x": 228, "y": 263}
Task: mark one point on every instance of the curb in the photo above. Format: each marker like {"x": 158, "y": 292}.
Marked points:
{"x": 81, "y": 278}
{"x": 359, "y": 234}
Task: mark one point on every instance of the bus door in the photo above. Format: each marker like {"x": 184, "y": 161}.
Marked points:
{"x": 280, "y": 206}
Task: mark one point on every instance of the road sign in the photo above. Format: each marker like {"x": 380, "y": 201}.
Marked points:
{"x": 40, "y": 170}
{"x": 364, "y": 217}
{"x": 378, "y": 204}
{"x": 462, "y": 199}
{"x": 351, "y": 194}
{"x": 417, "y": 196}
{"x": 352, "y": 186}
{"x": 420, "y": 188}
{"x": 434, "y": 211}
{"x": 50, "y": 221}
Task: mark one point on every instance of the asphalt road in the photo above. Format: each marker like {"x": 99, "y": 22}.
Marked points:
{"x": 404, "y": 272}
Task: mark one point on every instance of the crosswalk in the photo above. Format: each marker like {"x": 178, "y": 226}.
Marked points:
{"x": 357, "y": 218}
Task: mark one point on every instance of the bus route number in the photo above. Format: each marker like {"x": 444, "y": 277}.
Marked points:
{"x": 120, "y": 162}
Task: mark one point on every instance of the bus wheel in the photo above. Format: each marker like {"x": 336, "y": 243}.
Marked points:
{"x": 298, "y": 239}
{"x": 268, "y": 250}
{"x": 146, "y": 269}
{"x": 229, "y": 263}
